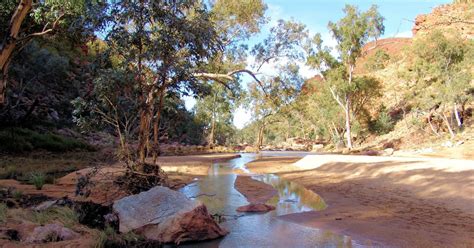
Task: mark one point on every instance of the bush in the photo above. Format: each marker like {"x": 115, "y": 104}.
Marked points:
{"x": 16, "y": 140}
{"x": 3, "y": 212}
{"x": 17, "y": 194}
{"x": 67, "y": 216}
{"x": 38, "y": 179}
{"x": 383, "y": 124}
{"x": 377, "y": 61}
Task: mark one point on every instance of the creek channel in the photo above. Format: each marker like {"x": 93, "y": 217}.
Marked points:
{"x": 218, "y": 193}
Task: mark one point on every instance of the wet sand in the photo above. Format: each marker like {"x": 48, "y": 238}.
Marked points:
{"x": 394, "y": 202}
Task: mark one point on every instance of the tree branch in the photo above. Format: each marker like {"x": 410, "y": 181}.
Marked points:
{"x": 229, "y": 76}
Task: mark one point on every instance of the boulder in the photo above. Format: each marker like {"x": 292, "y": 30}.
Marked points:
{"x": 51, "y": 233}
{"x": 167, "y": 216}
{"x": 317, "y": 148}
{"x": 255, "y": 207}
{"x": 388, "y": 152}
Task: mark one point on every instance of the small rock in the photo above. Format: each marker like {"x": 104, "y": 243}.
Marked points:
{"x": 51, "y": 233}
{"x": 255, "y": 207}
{"x": 388, "y": 152}
{"x": 45, "y": 205}
{"x": 346, "y": 151}
{"x": 447, "y": 144}
{"x": 317, "y": 147}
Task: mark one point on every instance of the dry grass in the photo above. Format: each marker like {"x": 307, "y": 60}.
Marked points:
{"x": 52, "y": 165}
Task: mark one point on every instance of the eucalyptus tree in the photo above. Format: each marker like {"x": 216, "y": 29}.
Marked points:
{"x": 271, "y": 95}
{"x": 441, "y": 67}
{"x": 161, "y": 43}
{"x": 24, "y": 20}
{"x": 216, "y": 110}
{"x": 351, "y": 33}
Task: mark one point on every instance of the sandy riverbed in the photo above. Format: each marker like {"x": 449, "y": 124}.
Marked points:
{"x": 401, "y": 202}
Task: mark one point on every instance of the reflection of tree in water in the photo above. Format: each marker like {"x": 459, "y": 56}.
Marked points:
{"x": 291, "y": 191}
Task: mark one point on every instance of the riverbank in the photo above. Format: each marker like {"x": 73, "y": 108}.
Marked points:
{"x": 24, "y": 210}
{"x": 181, "y": 171}
{"x": 404, "y": 202}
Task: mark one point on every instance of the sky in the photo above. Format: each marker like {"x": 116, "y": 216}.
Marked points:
{"x": 315, "y": 14}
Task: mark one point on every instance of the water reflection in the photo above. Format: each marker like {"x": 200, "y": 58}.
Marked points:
{"x": 217, "y": 192}
{"x": 292, "y": 197}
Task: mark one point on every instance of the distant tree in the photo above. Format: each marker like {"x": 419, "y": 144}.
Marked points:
{"x": 351, "y": 33}
{"x": 271, "y": 95}
{"x": 216, "y": 110}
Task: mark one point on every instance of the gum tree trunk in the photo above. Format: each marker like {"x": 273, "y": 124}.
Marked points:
{"x": 456, "y": 114}
{"x": 448, "y": 125}
{"x": 8, "y": 45}
{"x": 156, "y": 126}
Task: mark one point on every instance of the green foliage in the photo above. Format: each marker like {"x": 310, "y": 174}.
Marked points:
{"x": 441, "y": 67}
{"x": 383, "y": 124}
{"x": 38, "y": 179}
{"x": 377, "y": 61}
{"x": 238, "y": 19}
{"x": 20, "y": 140}
{"x": 3, "y": 212}
{"x": 353, "y": 31}
{"x": 215, "y": 112}
{"x": 17, "y": 194}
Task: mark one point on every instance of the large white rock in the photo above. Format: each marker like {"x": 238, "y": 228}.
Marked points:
{"x": 167, "y": 216}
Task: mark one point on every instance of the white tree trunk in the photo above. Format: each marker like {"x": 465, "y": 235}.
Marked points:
{"x": 446, "y": 121}
{"x": 456, "y": 113}
{"x": 348, "y": 125}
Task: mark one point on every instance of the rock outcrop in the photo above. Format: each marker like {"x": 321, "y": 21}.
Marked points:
{"x": 256, "y": 207}
{"x": 167, "y": 216}
{"x": 449, "y": 17}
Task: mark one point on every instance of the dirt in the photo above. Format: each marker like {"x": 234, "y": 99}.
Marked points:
{"x": 401, "y": 204}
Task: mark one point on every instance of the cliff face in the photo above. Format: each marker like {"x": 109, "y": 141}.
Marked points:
{"x": 450, "y": 17}
{"x": 393, "y": 47}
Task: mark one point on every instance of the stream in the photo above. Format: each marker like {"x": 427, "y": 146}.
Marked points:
{"x": 217, "y": 192}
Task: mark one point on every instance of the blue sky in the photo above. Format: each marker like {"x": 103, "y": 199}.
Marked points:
{"x": 315, "y": 14}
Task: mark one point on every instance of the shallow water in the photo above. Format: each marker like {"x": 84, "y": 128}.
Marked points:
{"x": 217, "y": 192}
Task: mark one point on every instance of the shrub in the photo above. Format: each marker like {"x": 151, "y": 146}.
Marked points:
{"x": 17, "y": 194}
{"x": 67, "y": 216}
{"x": 38, "y": 179}
{"x": 16, "y": 140}
{"x": 377, "y": 61}
{"x": 383, "y": 124}
{"x": 3, "y": 212}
